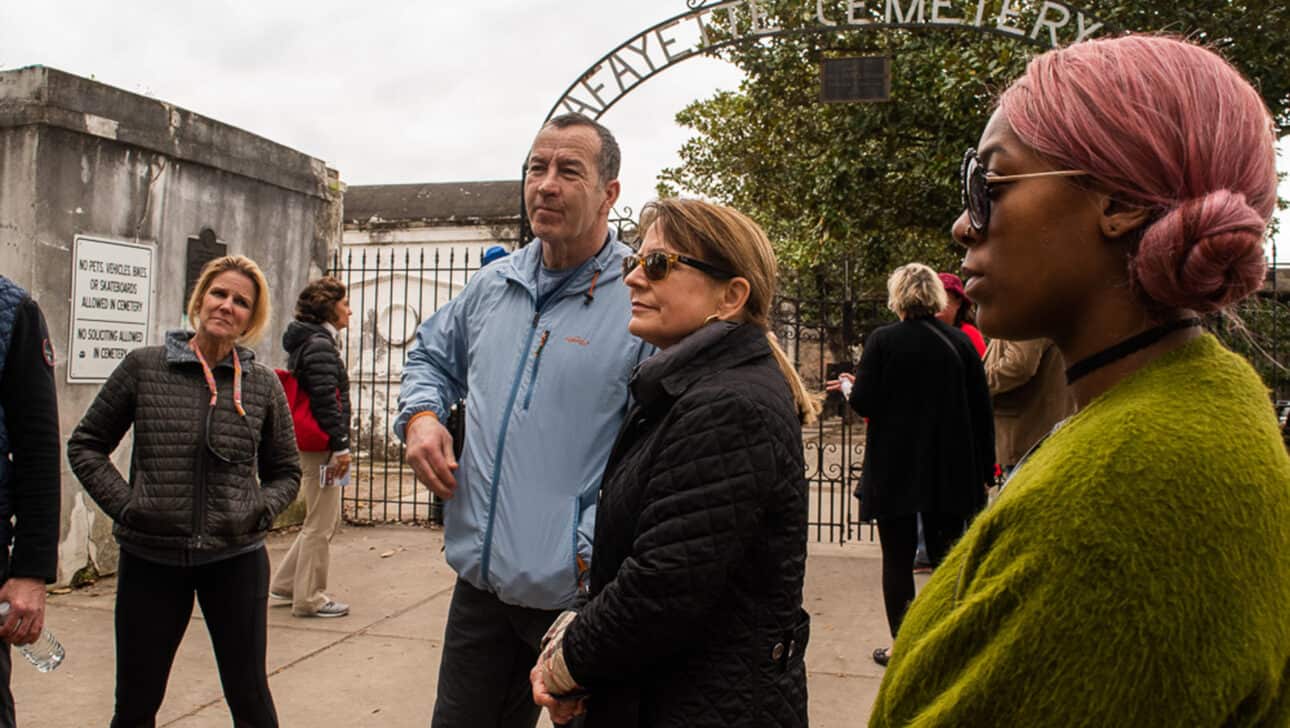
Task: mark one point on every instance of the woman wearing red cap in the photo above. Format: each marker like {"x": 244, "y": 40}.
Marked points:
{"x": 958, "y": 311}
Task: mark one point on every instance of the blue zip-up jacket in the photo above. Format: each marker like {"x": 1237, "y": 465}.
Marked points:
{"x": 546, "y": 391}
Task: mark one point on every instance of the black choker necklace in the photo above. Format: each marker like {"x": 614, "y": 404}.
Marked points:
{"x": 1138, "y": 342}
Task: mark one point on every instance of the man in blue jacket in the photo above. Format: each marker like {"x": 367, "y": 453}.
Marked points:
{"x": 537, "y": 343}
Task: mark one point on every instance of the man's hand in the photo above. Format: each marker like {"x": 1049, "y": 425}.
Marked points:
{"x": 843, "y": 384}
{"x": 561, "y": 711}
{"x": 429, "y": 454}
{"x": 339, "y": 465}
{"x": 26, "y": 616}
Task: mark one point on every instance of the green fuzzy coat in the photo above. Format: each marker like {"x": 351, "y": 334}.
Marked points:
{"x": 1135, "y": 572}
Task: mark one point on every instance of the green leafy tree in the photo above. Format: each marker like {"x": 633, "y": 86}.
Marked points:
{"x": 853, "y": 190}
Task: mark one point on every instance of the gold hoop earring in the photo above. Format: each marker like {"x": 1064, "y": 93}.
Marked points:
{"x": 710, "y": 319}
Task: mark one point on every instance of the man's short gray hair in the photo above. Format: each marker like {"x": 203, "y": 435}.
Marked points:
{"x": 610, "y": 158}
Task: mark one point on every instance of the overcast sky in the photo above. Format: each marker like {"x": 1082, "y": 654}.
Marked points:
{"x": 385, "y": 92}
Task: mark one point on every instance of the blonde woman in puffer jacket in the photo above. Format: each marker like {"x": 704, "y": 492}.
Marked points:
{"x": 214, "y": 460}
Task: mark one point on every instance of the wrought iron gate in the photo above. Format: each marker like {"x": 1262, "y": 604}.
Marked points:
{"x": 822, "y": 330}
{"x": 391, "y": 292}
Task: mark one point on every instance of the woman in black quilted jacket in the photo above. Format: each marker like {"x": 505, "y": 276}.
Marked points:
{"x": 694, "y": 615}
{"x": 322, "y": 310}
{"x": 214, "y": 460}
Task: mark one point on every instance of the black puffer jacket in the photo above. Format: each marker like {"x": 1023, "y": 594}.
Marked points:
{"x": 182, "y": 502}
{"x": 695, "y": 614}
{"x": 313, "y": 358}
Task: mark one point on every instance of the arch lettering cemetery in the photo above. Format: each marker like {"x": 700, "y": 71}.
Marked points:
{"x": 710, "y": 27}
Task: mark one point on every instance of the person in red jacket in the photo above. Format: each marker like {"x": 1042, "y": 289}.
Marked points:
{"x": 958, "y": 312}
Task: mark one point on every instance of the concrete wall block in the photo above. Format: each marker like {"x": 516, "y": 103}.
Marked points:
{"x": 78, "y": 157}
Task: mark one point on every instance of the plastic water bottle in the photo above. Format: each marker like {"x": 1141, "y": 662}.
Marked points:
{"x": 45, "y": 653}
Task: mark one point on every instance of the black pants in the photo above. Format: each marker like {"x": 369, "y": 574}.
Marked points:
{"x": 899, "y": 538}
{"x": 489, "y": 647}
{"x": 7, "y": 719}
{"x": 153, "y": 605}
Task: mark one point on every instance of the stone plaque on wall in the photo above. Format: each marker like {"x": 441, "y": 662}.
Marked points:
{"x": 202, "y": 249}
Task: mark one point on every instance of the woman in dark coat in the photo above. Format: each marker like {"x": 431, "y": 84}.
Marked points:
{"x": 694, "y": 616}
{"x": 322, "y": 310}
{"x": 214, "y": 460}
{"x": 929, "y": 445}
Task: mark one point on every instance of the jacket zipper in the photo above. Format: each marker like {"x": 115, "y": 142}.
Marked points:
{"x": 537, "y": 359}
{"x": 486, "y": 557}
{"x": 199, "y": 485}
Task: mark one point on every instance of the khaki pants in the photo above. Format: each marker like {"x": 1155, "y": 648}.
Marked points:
{"x": 303, "y": 572}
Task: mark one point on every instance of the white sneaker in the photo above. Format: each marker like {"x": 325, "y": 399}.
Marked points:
{"x": 332, "y": 608}
{"x": 279, "y": 597}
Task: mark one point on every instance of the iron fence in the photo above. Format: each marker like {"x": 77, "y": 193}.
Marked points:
{"x": 391, "y": 292}
{"x": 822, "y": 329}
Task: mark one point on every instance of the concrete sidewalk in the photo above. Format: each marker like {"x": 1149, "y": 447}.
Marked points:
{"x": 378, "y": 666}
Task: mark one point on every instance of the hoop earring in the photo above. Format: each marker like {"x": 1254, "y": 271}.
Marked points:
{"x": 710, "y": 319}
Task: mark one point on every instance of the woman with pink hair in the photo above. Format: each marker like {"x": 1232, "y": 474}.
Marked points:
{"x": 1134, "y": 569}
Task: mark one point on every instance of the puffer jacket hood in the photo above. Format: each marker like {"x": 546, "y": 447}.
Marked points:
{"x": 297, "y": 334}
{"x": 179, "y": 352}
{"x": 313, "y": 357}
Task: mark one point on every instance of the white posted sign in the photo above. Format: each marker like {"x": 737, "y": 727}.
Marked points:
{"x": 111, "y": 305}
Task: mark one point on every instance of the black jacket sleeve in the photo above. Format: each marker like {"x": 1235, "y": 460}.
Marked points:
{"x": 31, "y": 417}
{"x": 90, "y": 447}
{"x": 321, "y": 373}
{"x": 866, "y": 394}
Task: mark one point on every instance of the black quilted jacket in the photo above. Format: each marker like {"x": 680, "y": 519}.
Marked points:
{"x": 695, "y": 615}
{"x": 312, "y": 356}
{"x": 182, "y": 502}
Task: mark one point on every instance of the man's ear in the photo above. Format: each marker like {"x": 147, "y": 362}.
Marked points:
{"x": 1120, "y": 218}
{"x": 612, "y": 190}
{"x": 733, "y": 297}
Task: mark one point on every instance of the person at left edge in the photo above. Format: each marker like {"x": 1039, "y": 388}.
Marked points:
{"x": 214, "y": 461}
{"x": 538, "y": 345}
{"x": 29, "y": 481}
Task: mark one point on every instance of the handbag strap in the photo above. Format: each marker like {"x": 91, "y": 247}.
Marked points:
{"x": 949, "y": 344}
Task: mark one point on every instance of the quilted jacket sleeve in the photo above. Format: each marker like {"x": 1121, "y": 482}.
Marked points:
{"x": 29, "y": 394}
{"x": 278, "y": 459}
{"x": 107, "y": 420}
{"x": 319, "y": 371}
{"x": 698, "y": 513}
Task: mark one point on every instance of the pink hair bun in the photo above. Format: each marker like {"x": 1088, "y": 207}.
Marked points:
{"x": 1204, "y": 254}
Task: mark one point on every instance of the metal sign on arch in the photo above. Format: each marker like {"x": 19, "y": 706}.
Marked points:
{"x": 708, "y": 26}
